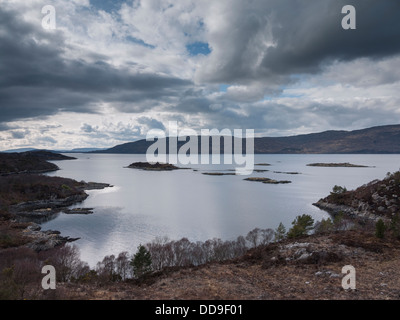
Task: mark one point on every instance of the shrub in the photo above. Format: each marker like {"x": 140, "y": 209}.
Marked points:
{"x": 380, "y": 229}
{"x": 338, "y": 190}
{"x": 301, "y": 226}
{"x": 395, "y": 225}
{"x": 324, "y": 226}
{"x": 338, "y": 194}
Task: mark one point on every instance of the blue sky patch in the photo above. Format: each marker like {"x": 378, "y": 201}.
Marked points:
{"x": 107, "y": 5}
{"x": 223, "y": 87}
{"x": 197, "y": 48}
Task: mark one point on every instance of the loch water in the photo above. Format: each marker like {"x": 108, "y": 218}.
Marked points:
{"x": 142, "y": 205}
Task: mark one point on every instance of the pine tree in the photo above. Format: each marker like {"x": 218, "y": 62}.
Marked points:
{"x": 302, "y": 225}
{"x": 141, "y": 262}
{"x": 280, "y": 232}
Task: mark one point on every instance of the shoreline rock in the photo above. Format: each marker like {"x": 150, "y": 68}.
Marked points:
{"x": 95, "y": 186}
{"x": 44, "y": 240}
{"x": 354, "y": 214}
{"x": 83, "y": 211}
{"x": 45, "y": 209}
{"x": 378, "y": 199}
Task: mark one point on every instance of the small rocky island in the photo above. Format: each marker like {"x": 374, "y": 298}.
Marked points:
{"x": 290, "y": 172}
{"x": 153, "y": 166}
{"x": 337, "y": 165}
{"x": 219, "y": 173}
{"x": 267, "y": 180}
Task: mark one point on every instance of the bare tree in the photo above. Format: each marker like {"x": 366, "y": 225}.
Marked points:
{"x": 253, "y": 236}
{"x": 66, "y": 261}
{"x": 123, "y": 266}
{"x": 266, "y": 236}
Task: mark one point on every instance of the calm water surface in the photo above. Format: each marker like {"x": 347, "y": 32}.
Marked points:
{"x": 142, "y": 205}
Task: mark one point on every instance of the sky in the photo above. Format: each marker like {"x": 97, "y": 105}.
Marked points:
{"x": 110, "y": 71}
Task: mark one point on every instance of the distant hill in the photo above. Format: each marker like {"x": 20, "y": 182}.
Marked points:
{"x": 19, "y": 150}
{"x": 76, "y": 150}
{"x": 382, "y": 139}
{"x": 84, "y": 150}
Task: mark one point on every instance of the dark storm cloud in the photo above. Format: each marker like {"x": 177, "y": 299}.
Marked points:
{"x": 306, "y": 35}
{"x": 194, "y": 105}
{"x": 4, "y": 127}
{"x": 35, "y": 79}
{"x": 311, "y": 33}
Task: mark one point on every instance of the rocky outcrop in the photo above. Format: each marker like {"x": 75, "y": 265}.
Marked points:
{"x": 94, "y": 186}
{"x": 304, "y": 252}
{"x": 363, "y": 210}
{"x": 379, "y": 199}
{"x": 44, "y": 240}
{"x": 79, "y": 211}
{"x": 44, "y": 209}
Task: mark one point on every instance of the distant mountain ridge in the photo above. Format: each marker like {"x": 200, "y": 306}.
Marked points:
{"x": 375, "y": 140}
{"x": 76, "y": 150}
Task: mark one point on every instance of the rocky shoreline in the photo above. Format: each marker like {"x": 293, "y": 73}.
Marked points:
{"x": 379, "y": 199}
{"x": 362, "y": 213}
{"x": 44, "y": 209}
{"x": 44, "y": 240}
{"x": 36, "y": 212}
{"x": 29, "y": 198}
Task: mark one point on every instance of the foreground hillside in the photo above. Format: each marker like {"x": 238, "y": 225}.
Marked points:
{"x": 308, "y": 268}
